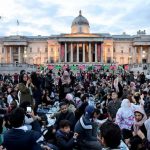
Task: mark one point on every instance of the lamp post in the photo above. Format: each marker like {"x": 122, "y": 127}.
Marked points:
{"x": 130, "y": 58}
{"x": 25, "y": 56}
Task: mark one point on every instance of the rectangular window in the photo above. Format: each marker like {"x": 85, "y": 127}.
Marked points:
{"x": 52, "y": 50}
{"x": 108, "y": 49}
{"x": 121, "y": 51}
{"x": 114, "y": 50}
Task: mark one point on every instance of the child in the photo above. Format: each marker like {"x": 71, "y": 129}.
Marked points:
{"x": 65, "y": 138}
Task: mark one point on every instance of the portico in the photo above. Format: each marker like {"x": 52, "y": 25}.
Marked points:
{"x": 80, "y": 52}
{"x": 13, "y": 53}
{"x": 141, "y": 52}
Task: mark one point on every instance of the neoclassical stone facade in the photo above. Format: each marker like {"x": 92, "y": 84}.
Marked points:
{"x": 80, "y": 46}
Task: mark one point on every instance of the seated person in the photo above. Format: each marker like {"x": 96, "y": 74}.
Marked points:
{"x": 65, "y": 114}
{"x": 30, "y": 119}
{"x": 85, "y": 127}
{"x": 19, "y": 138}
{"x": 64, "y": 137}
{"x": 46, "y": 100}
{"x": 110, "y": 137}
{"x": 49, "y": 135}
{"x": 135, "y": 141}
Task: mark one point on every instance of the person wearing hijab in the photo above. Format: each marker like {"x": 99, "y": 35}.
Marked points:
{"x": 125, "y": 118}
{"x": 125, "y": 115}
{"x": 139, "y": 120}
{"x": 65, "y": 78}
{"x": 138, "y": 126}
{"x": 64, "y": 85}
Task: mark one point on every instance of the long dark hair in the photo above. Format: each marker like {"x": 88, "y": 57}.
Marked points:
{"x": 21, "y": 78}
{"x": 35, "y": 79}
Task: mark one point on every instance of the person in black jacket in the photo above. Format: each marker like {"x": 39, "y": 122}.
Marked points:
{"x": 65, "y": 114}
{"x": 64, "y": 137}
{"x": 19, "y": 138}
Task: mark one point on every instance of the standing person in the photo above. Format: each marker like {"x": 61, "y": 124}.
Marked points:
{"x": 25, "y": 89}
{"x": 113, "y": 106}
{"x": 64, "y": 85}
{"x": 125, "y": 115}
{"x": 16, "y": 78}
{"x": 37, "y": 94}
{"x": 142, "y": 78}
{"x": 49, "y": 81}
{"x": 125, "y": 118}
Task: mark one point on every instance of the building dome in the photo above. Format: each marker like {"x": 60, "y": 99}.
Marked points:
{"x": 80, "y": 24}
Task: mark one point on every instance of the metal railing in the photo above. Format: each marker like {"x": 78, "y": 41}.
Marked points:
{"x": 17, "y": 65}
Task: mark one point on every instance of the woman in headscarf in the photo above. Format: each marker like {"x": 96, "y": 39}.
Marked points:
{"x": 125, "y": 118}
{"x": 138, "y": 126}
{"x": 64, "y": 85}
{"x": 140, "y": 118}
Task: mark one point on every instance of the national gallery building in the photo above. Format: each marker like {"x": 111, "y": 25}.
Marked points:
{"x": 79, "y": 46}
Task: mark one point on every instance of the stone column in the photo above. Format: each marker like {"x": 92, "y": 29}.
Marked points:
{"x": 11, "y": 54}
{"x": 101, "y": 53}
{"x": 89, "y": 52}
{"x": 105, "y": 58}
{"x": 65, "y": 52}
{"x": 5, "y": 55}
{"x": 95, "y": 52}
{"x": 148, "y": 58}
{"x": 131, "y": 55}
{"x": 84, "y": 52}
{"x": 59, "y": 51}
{"x": 71, "y": 52}
{"x": 25, "y": 55}
{"x": 141, "y": 54}
{"x": 19, "y": 54}
{"x": 112, "y": 54}
{"x": 135, "y": 54}
{"x": 77, "y": 52}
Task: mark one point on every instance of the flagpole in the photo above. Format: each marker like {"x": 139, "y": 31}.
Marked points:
{"x": 17, "y": 27}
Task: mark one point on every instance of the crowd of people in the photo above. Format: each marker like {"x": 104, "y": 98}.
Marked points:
{"x": 98, "y": 110}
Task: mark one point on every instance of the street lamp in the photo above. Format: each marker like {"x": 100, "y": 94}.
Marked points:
{"x": 25, "y": 55}
{"x": 130, "y": 57}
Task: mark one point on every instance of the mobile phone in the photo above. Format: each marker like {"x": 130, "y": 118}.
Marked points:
{"x": 29, "y": 110}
